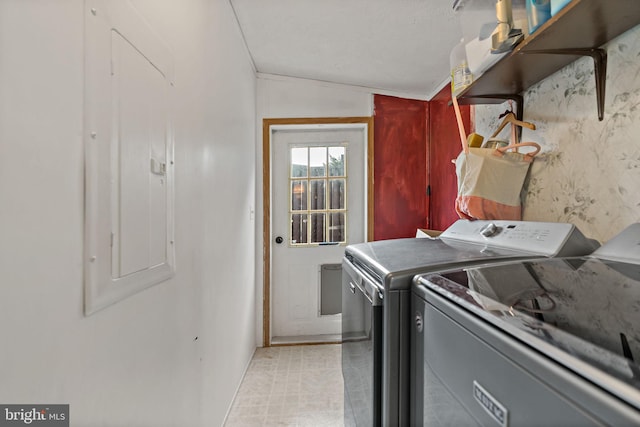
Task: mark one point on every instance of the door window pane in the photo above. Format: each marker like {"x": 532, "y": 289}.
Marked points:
{"x": 317, "y": 228}
{"x": 318, "y": 161}
{"x": 336, "y": 193}
{"x": 318, "y": 186}
{"x": 336, "y": 161}
{"x": 299, "y": 195}
{"x": 298, "y": 228}
{"x": 317, "y": 194}
{"x": 336, "y": 227}
{"x": 299, "y": 162}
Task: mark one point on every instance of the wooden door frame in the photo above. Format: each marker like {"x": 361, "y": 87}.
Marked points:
{"x": 266, "y": 198}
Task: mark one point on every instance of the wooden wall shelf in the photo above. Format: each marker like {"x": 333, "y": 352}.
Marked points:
{"x": 579, "y": 29}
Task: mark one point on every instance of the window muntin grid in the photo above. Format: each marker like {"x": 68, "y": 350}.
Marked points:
{"x": 318, "y": 194}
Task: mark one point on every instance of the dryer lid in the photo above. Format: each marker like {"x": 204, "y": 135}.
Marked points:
{"x": 582, "y": 312}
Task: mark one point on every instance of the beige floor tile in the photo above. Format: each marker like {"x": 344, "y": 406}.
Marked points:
{"x": 291, "y": 386}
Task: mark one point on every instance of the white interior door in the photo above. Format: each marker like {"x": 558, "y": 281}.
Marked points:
{"x": 318, "y": 207}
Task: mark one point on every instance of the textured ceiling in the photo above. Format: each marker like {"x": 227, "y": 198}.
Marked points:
{"x": 390, "y": 45}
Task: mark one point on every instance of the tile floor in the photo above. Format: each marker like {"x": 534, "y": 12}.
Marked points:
{"x": 291, "y": 386}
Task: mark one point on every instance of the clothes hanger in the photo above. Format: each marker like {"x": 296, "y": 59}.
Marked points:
{"x": 511, "y": 118}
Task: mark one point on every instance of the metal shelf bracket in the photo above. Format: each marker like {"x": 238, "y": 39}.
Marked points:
{"x": 599, "y": 57}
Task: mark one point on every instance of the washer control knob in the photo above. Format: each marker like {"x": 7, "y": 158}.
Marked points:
{"x": 489, "y": 230}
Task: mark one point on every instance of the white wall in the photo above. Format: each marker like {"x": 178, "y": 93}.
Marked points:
{"x": 229, "y": 205}
{"x": 137, "y": 362}
{"x": 588, "y": 171}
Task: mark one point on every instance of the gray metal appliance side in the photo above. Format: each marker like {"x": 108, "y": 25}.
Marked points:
{"x": 453, "y": 324}
{"x": 362, "y": 280}
{"x": 361, "y": 347}
{"x": 395, "y": 393}
{"x": 416, "y": 362}
{"x": 431, "y": 402}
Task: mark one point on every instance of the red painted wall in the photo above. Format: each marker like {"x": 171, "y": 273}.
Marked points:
{"x": 444, "y": 145}
{"x": 400, "y": 166}
{"x": 414, "y": 142}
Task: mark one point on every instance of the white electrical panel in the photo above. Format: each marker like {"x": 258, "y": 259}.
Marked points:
{"x": 129, "y": 160}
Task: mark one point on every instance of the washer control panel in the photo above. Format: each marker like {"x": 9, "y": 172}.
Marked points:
{"x": 543, "y": 238}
